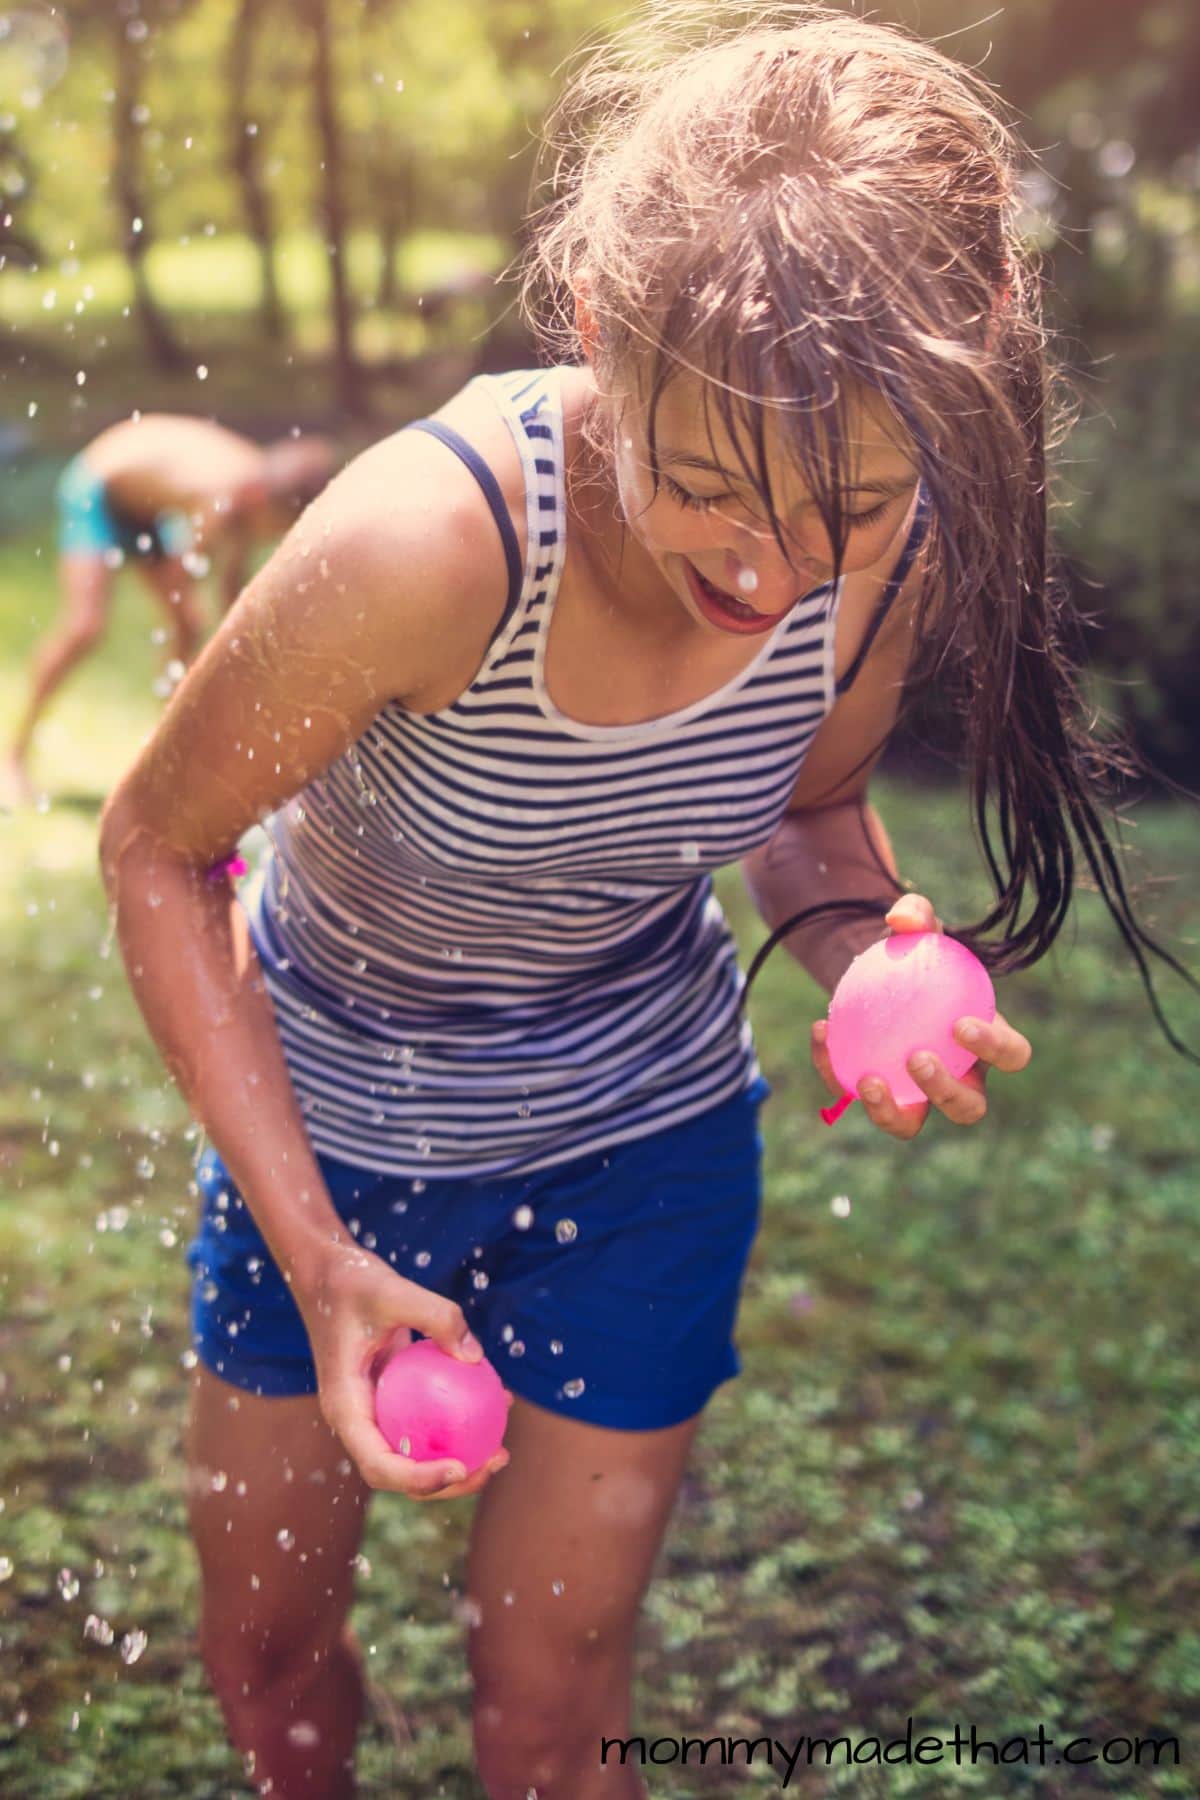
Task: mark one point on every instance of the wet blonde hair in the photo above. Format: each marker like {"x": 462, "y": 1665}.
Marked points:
{"x": 795, "y": 205}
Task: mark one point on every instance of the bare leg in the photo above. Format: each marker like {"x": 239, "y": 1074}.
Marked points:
{"x": 277, "y": 1513}
{"x": 562, "y": 1549}
{"x": 85, "y": 585}
{"x": 175, "y": 592}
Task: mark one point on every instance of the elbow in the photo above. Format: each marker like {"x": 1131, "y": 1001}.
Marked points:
{"x": 120, "y": 827}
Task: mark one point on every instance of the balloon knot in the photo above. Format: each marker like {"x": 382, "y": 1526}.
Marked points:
{"x": 831, "y": 1114}
{"x": 229, "y": 865}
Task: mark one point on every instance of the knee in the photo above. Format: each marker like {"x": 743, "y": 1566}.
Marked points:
{"x": 85, "y": 627}
{"x": 540, "y": 1735}
{"x": 250, "y": 1667}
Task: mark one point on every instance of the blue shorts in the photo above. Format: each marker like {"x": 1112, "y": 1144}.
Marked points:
{"x": 89, "y": 524}
{"x": 605, "y": 1288}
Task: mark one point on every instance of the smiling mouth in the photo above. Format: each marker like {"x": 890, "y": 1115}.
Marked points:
{"x": 731, "y": 602}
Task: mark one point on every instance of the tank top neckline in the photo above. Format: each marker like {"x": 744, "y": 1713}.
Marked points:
{"x": 539, "y": 597}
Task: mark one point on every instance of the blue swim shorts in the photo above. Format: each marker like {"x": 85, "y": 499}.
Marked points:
{"x": 90, "y": 525}
{"x": 605, "y": 1288}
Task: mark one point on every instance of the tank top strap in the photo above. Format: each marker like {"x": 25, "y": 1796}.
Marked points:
{"x": 530, "y": 403}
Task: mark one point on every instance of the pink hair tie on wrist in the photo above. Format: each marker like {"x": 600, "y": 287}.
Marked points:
{"x": 229, "y": 865}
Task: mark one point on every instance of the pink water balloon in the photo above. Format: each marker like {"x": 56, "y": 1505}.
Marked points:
{"x": 902, "y": 995}
{"x": 430, "y": 1405}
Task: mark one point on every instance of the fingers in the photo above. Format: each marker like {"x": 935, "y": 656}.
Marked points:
{"x": 444, "y": 1322}
{"x": 460, "y": 1489}
{"x": 995, "y": 1043}
{"x": 882, "y": 1110}
{"x": 913, "y": 912}
{"x": 820, "y": 1057}
{"x": 962, "y": 1101}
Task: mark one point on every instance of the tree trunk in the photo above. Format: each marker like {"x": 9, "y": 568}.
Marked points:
{"x": 244, "y": 156}
{"x": 333, "y": 213}
{"x": 164, "y": 348}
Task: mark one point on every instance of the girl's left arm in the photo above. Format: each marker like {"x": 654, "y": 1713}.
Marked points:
{"x": 829, "y": 846}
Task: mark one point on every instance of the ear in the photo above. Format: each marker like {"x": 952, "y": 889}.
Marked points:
{"x": 585, "y": 319}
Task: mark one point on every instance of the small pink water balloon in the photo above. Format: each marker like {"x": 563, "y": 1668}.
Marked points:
{"x": 902, "y": 995}
{"x": 430, "y": 1405}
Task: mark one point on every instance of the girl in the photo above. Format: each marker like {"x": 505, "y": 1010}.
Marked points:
{"x": 471, "y": 1059}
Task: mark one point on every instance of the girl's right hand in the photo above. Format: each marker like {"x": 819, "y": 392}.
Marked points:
{"x": 356, "y": 1309}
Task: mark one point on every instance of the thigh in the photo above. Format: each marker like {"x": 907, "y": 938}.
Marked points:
{"x": 85, "y": 586}
{"x": 277, "y": 1512}
{"x": 166, "y": 579}
{"x": 562, "y": 1548}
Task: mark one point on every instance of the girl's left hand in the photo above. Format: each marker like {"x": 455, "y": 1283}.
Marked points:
{"x": 961, "y": 1099}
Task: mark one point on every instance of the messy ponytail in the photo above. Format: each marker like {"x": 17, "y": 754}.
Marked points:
{"x": 800, "y": 207}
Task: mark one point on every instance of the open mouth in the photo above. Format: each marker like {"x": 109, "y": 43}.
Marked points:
{"x": 727, "y": 608}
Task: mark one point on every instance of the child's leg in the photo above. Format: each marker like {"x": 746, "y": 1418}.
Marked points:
{"x": 85, "y": 585}
{"x": 175, "y": 591}
{"x": 277, "y": 1515}
{"x": 562, "y": 1547}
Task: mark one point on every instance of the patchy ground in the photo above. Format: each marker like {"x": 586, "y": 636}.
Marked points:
{"x": 959, "y": 1478}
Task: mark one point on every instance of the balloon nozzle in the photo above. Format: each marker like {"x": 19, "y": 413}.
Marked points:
{"x": 831, "y": 1114}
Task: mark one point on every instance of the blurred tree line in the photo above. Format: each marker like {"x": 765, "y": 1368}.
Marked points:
{"x": 133, "y": 129}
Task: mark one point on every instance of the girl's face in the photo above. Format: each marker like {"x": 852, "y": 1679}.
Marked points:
{"x": 706, "y": 530}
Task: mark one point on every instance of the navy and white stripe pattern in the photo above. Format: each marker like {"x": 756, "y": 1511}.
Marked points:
{"x": 489, "y": 932}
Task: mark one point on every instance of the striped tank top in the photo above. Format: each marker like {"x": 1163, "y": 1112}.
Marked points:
{"x": 489, "y": 933}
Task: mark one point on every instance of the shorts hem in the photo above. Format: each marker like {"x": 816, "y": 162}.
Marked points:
{"x": 266, "y": 1380}
{"x": 654, "y": 1412}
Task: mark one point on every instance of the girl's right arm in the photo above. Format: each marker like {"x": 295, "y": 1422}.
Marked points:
{"x": 389, "y": 585}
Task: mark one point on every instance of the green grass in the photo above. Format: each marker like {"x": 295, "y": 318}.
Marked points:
{"x": 959, "y": 1478}
{"x": 220, "y": 275}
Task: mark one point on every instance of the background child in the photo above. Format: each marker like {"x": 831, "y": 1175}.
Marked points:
{"x": 154, "y": 488}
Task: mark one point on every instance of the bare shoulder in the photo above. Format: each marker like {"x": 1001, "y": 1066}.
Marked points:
{"x": 417, "y": 558}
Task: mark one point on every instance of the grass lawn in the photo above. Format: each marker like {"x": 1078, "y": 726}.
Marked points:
{"x": 959, "y": 1478}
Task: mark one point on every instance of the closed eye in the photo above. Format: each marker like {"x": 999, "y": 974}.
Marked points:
{"x": 701, "y": 502}
{"x": 697, "y": 502}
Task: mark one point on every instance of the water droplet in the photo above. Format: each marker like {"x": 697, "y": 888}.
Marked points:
{"x": 422, "y": 1259}
{"x": 747, "y": 581}
{"x": 219, "y": 1481}
{"x": 689, "y": 853}
{"x": 523, "y": 1218}
{"x": 524, "y": 1111}
{"x": 132, "y": 1645}
{"x": 359, "y": 965}
{"x": 480, "y": 1279}
{"x": 508, "y": 1334}
{"x": 6, "y": 1568}
{"x": 566, "y": 1231}
{"x": 68, "y": 1584}
{"x": 556, "y": 1348}
{"x": 557, "y": 1587}
{"x": 516, "y": 1348}
{"x": 573, "y": 1389}
{"x": 98, "y": 1629}
{"x": 303, "y": 1734}
{"x": 840, "y": 1206}
{"x": 285, "y": 1539}
{"x": 419, "y": 1186}
{"x": 145, "y": 1168}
